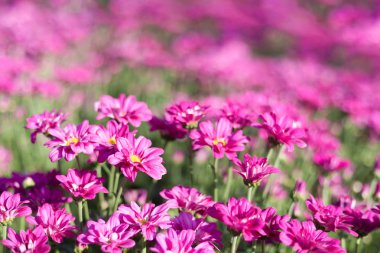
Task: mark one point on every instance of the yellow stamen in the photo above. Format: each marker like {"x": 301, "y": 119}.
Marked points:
{"x": 135, "y": 159}
{"x": 72, "y": 140}
{"x": 112, "y": 141}
{"x": 221, "y": 140}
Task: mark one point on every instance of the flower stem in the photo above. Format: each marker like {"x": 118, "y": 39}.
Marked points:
{"x": 101, "y": 194}
{"x": 273, "y": 158}
{"x": 191, "y": 163}
{"x": 86, "y": 211}
{"x": 235, "y": 243}
{"x": 143, "y": 246}
{"x": 262, "y": 246}
{"x": 78, "y": 162}
{"x": 357, "y": 244}
{"x": 215, "y": 170}
{"x": 251, "y": 193}
{"x": 117, "y": 200}
{"x": 80, "y": 213}
{"x": 229, "y": 184}
{"x": 4, "y": 232}
{"x": 291, "y": 209}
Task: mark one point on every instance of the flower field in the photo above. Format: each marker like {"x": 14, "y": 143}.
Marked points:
{"x": 190, "y": 126}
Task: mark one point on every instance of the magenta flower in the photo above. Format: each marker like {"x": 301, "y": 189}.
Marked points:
{"x": 136, "y": 195}
{"x": 42, "y": 123}
{"x": 82, "y": 184}
{"x": 330, "y": 217}
{"x": 11, "y": 207}
{"x": 254, "y": 169}
{"x": 112, "y": 235}
{"x": 168, "y": 130}
{"x": 204, "y": 231}
{"x": 282, "y": 130}
{"x": 240, "y": 216}
{"x": 376, "y": 209}
{"x": 123, "y": 109}
{"x": 27, "y": 241}
{"x": 188, "y": 199}
{"x": 273, "y": 224}
{"x": 239, "y": 114}
{"x": 186, "y": 113}
{"x": 305, "y": 238}
{"x": 220, "y": 139}
{"x": 135, "y": 155}
{"x": 330, "y": 162}
{"x": 180, "y": 243}
{"x": 56, "y": 223}
{"x": 146, "y": 218}
{"x": 363, "y": 221}
{"x": 106, "y": 139}
{"x": 71, "y": 140}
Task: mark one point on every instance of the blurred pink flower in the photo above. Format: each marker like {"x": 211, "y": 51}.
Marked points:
{"x": 27, "y": 241}
{"x": 11, "y": 207}
{"x": 186, "y": 113}
{"x": 82, "y": 184}
{"x": 123, "y": 109}
{"x": 330, "y": 162}
{"x": 136, "y": 195}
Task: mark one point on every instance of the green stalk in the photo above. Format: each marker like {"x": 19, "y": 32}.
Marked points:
{"x": 191, "y": 163}
{"x": 262, "y": 246}
{"x": 86, "y": 211}
{"x": 80, "y": 213}
{"x": 101, "y": 194}
{"x": 78, "y": 162}
{"x": 117, "y": 200}
{"x": 229, "y": 184}
{"x": 251, "y": 192}
{"x": 273, "y": 158}
{"x": 357, "y": 244}
{"x": 291, "y": 209}
{"x": 143, "y": 246}
{"x": 235, "y": 243}
{"x": 4, "y": 232}
{"x": 215, "y": 171}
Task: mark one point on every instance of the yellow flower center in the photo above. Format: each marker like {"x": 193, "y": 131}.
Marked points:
{"x": 135, "y": 159}
{"x": 221, "y": 140}
{"x": 72, "y": 140}
{"x": 142, "y": 221}
{"x": 112, "y": 141}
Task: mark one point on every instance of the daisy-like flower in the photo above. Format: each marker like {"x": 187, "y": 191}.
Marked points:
{"x": 273, "y": 224}
{"x": 56, "y": 223}
{"x": 34, "y": 241}
{"x": 238, "y": 114}
{"x": 146, "y": 218}
{"x": 71, "y": 140}
{"x": 169, "y": 130}
{"x": 123, "y": 109}
{"x": 180, "y": 243}
{"x": 112, "y": 235}
{"x": 282, "y": 130}
{"x": 106, "y": 139}
{"x": 82, "y": 184}
{"x": 254, "y": 169}
{"x": 330, "y": 162}
{"x": 240, "y": 216}
{"x": 135, "y": 155}
{"x": 186, "y": 113}
{"x": 188, "y": 199}
{"x": 330, "y": 217}
{"x": 220, "y": 139}
{"x": 305, "y": 238}
{"x": 204, "y": 231}
{"x": 42, "y": 123}
{"x": 11, "y": 207}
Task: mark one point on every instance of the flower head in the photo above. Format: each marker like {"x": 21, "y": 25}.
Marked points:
{"x": 238, "y": 114}
{"x": 135, "y": 154}
{"x": 146, "y": 218}
{"x": 273, "y": 223}
{"x": 220, "y": 139}
{"x": 330, "y": 162}
{"x": 240, "y": 216}
{"x": 56, "y": 223}
{"x": 11, "y": 207}
{"x": 254, "y": 169}
{"x": 305, "y": 238}
{"x": 42, "y": 123}
{"x": 186, "y": 113}
{"x": 169, "y": 130}
{"x": 123, "y": 109}
{"x": 82, "y": 184}
{"x": 282, "y": 130}
{"x": 27, "y": 241}
{"x": 71, "y": 140}
{"x": 181, "y": 242}
{"x": 112, "y": 235}
{"x": 188, "y": 199}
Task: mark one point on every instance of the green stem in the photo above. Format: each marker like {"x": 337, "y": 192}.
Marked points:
{"x": 251, "y": 193}
{"x": 215, "y": 171}
{"x": 191, "y": 163}
{"x": 291, "y": 209}
{"x": 80, "y": 213}
{"x": 344, "y": 243}
{"x": 101, "y": 194}
{"x": 118, "y": 198}
{"x": 143, "y": 247}
{"x": 116, "y": 181}
{"x": 78, "y": 162}
{"x": 262, "y": 246}
{"x": 86, "y": 211}
{"x": 229, "y": 184}
{"x": 111, "y": 179}
{"x": 273, "y": 158}
{"x": 235, "y": 243}
{"x": 357, "y": 244}
{"x": 4, "y": 232}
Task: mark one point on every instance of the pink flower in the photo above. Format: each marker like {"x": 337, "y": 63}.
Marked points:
{"x": 146, "y": 219}
{"x": 168, "y": 130}
{"x": 135, "y": 155}
{"x": 82, "y": 184}
{"x": 180, "y": 243}
{"x": 239, "y": 114}
{"x": 376, "y": 209}
{"x": 254, "y": 169}
{"x": 136, "y": 195}
{"x": 27, "y": 241}
{"x": 42, "y": 123}
{"x": 240, "y": 216}
{"x": 56, "y": 223}
{"x": 106, "y": 139}
{"x": 71, "y": 140}
{"x": 11, "y": 207}
{"x": 330, "y": 162}
{"x": 188, "y": 199}
{"x": 273, "y": 223}
{"x": 124, "y": 109}
{"x": 112, "y": 235}
{"x": 186, "y": 113}
{"x": 330, "y": 217}
{"x": 220, "y": 139}
{"x": 305, "y": 238}
{"x": 282, "y": 130}
{"x": 204, "y": 231}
